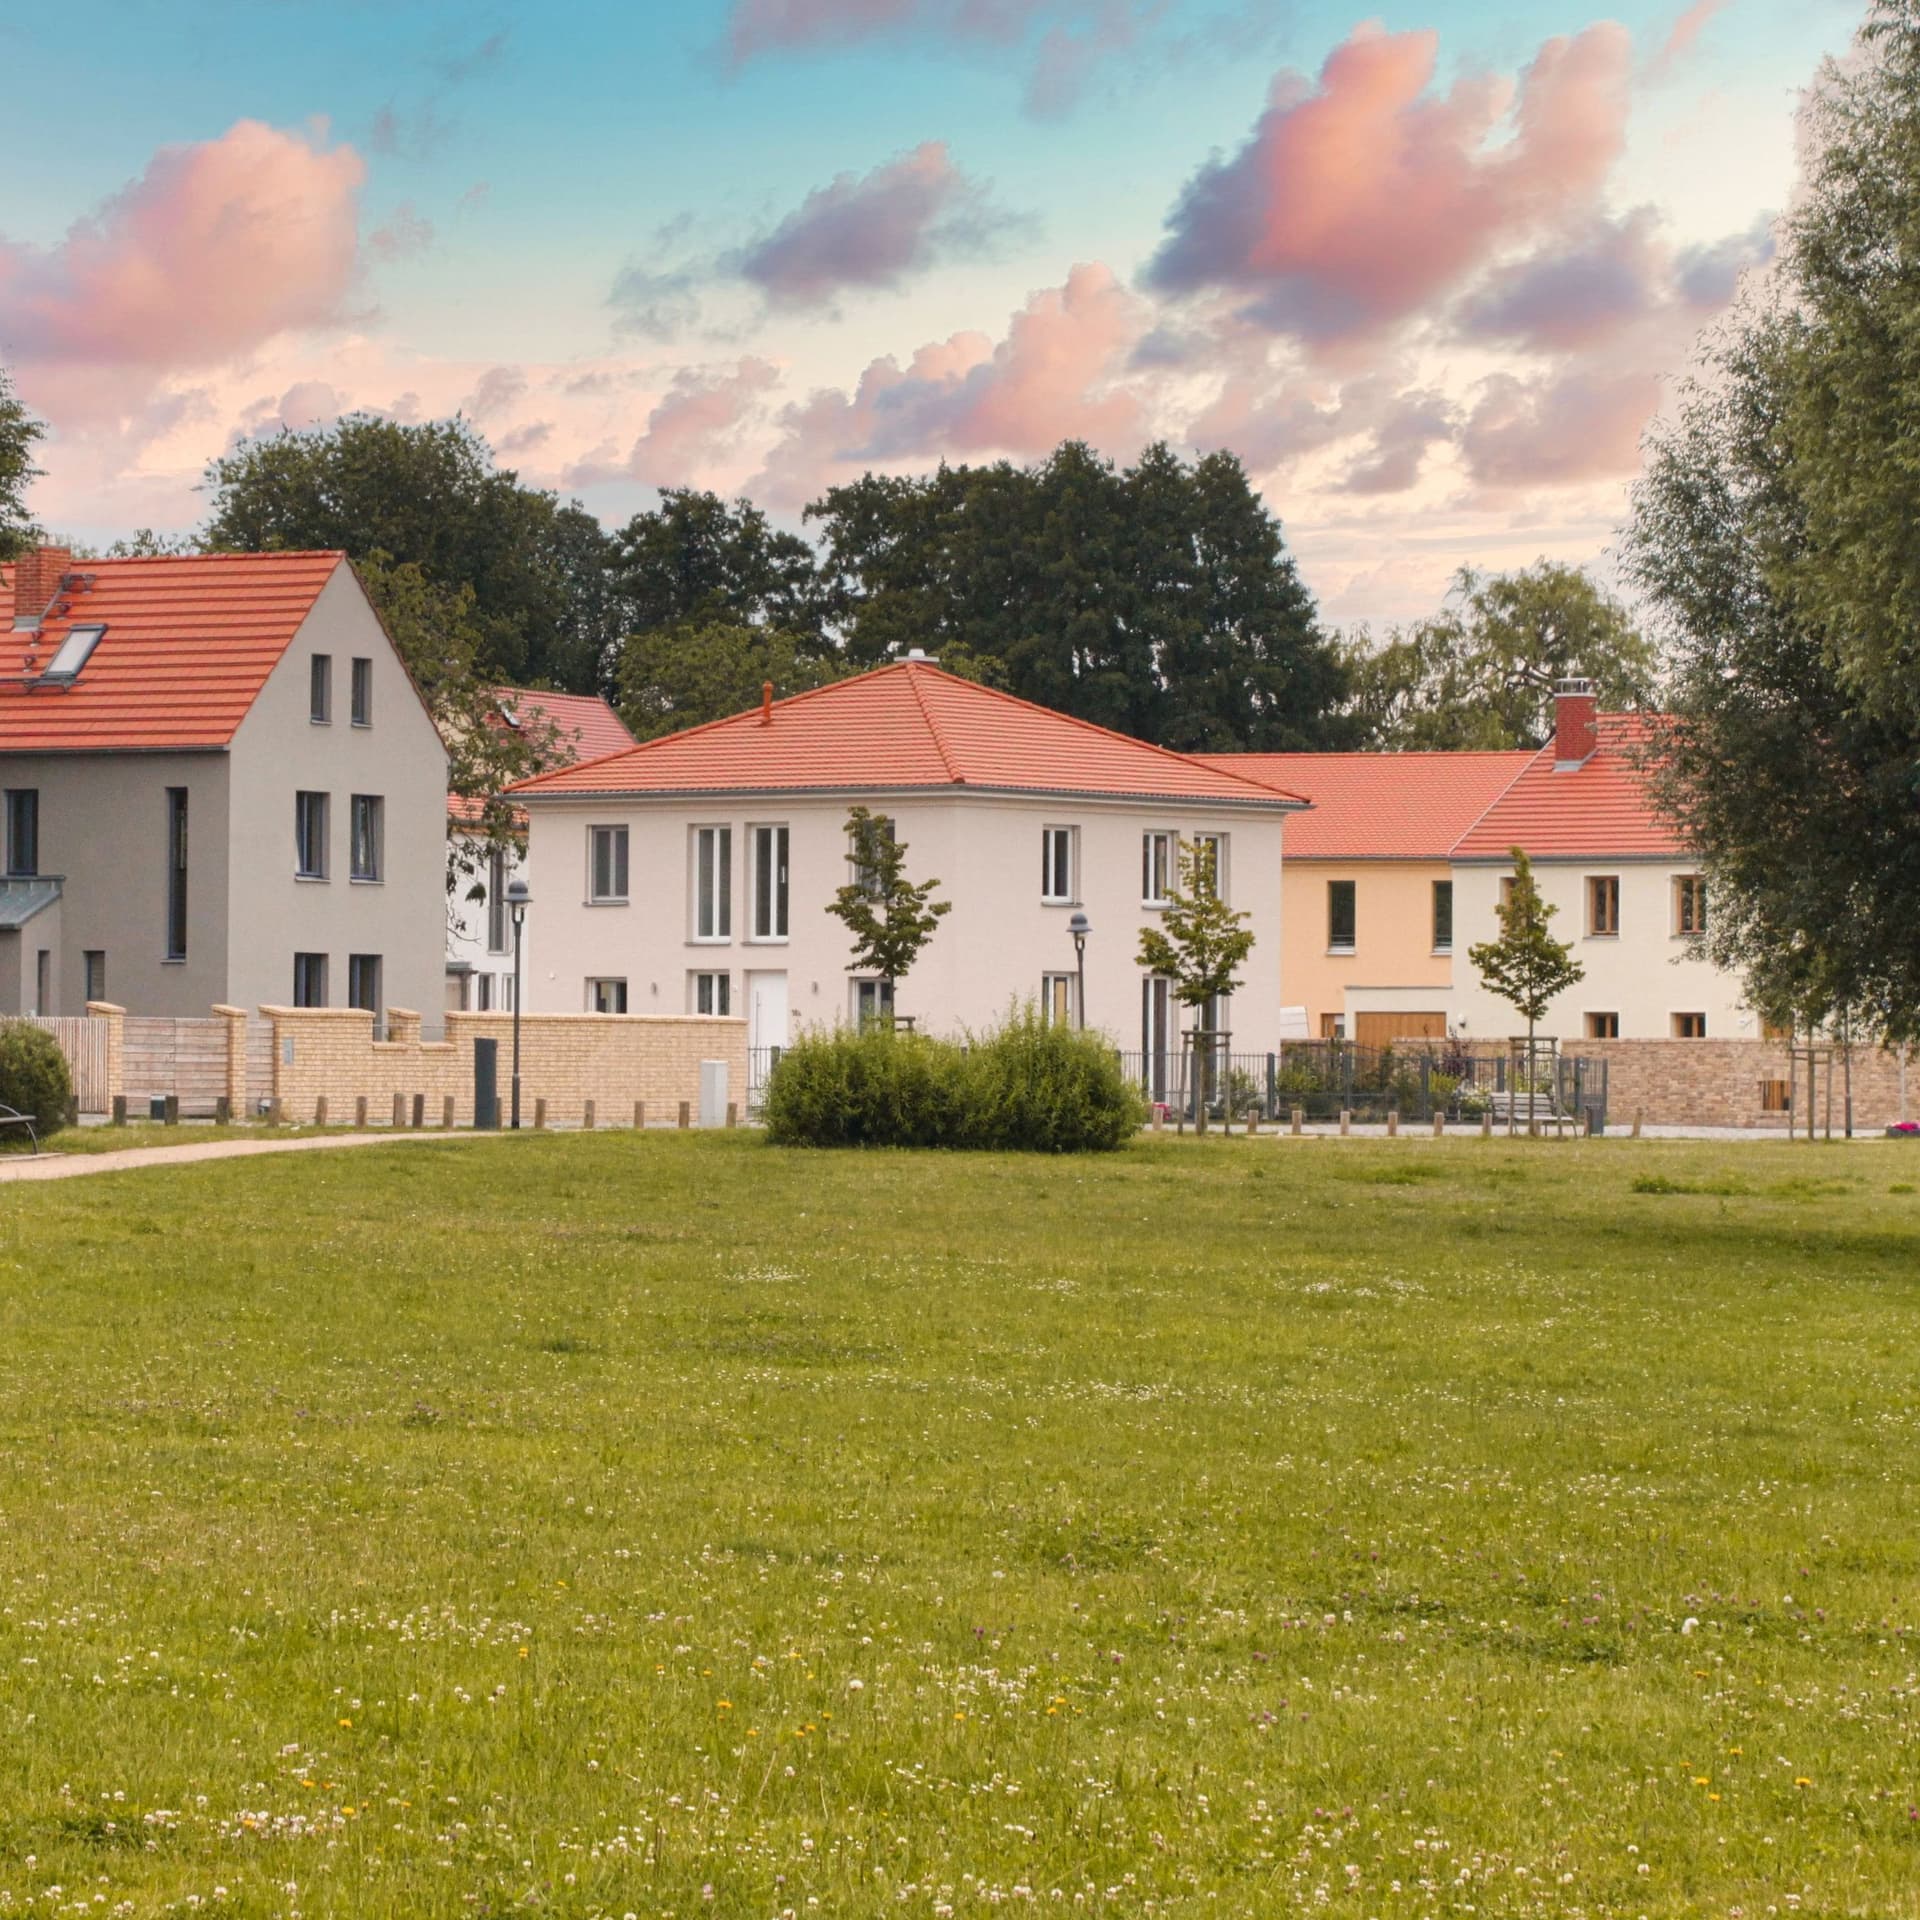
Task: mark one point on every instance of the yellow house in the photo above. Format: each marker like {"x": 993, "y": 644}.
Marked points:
{"x": 1366, "y": 886}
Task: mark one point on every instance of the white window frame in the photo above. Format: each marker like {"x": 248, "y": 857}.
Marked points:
{"x": 619, "y": 857}
{"x": 711, "y": 910}
{"x": 596, "y": 983}
{"x": 1054, "y": 842}
{"x": 777, "y": 836}
{"x": 371, "y": 807}
{"x": 498, "y": 938}
{"x": 1057, "y": 994}
{"x": 320, "y": 809}
{"x": 871, "y": 988}
{"x": 714, "y": 988}
{"x": 1222, "y": 863}
{"x": 1159, "y": 847}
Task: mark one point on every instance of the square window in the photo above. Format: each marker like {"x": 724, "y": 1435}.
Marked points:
{"x": 1342, "y": 916}
{"x": 1689, "y": 1026}
{"x": 1603, "y": 1026}
{"x": 310, "y": 842}
{"x": 873, "y": 1002}
{"x": 369, "y": 836}
{"x": 320, "y": 689}
{"x": 1056, "y": 865}
{"x": 606, "y": 865}
{"x": 363, "y": 693}
{"x": 606, "y": 996}
{"x": 1603, "y": 904}
{"x": 713, "y": 993}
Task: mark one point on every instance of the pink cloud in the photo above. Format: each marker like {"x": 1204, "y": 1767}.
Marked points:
{"x": 1684, "y": 35}
{"x": 696, "y": 422}
{"x": 872, "y": 229}
{"x": 1358, "y": 203}
{"x": 1052, "y": 378}
{"x": 216, "y": 248}
{"x": 1580, "y": 423}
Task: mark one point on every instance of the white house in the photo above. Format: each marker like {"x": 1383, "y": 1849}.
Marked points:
{"x": 570, "y": 727}
{"x": 221, "y": 785}
{"x": 693, "y": 873}
{"x": 1630, "y": 897}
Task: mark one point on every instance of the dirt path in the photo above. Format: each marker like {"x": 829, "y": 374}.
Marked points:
{"x": 71, "y": 1166}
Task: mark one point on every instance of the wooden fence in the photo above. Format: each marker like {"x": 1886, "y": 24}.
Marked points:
{"x": 83, "y": 1039}
{"x": 187, "y": 1057}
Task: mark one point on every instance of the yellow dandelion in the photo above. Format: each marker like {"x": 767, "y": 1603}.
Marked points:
{"x": 1701, "y": 1780}
{"x": 522, "y": 1651}
{"x": 346, "y": 1723}
{"x": 1801, "y": 1780}
{"x": 726, "y": 1706}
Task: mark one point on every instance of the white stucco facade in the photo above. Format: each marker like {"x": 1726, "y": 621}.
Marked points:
{"x": 1650, "y": 976}
{"x": 1002, "y": 942}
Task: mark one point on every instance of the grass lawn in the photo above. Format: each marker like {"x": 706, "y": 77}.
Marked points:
{"x": 671, "y": 1525}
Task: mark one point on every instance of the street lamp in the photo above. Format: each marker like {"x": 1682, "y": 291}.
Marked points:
{"x": 1080, "y": 926}
{"x": 519, "y": 899}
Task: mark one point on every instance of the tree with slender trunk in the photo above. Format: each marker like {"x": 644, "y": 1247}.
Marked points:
{"x": 890, "y": 917}
{"x": 1199, "y": 945}
{"x": 1527, "y": 967}
{"x": 19, "y": 432}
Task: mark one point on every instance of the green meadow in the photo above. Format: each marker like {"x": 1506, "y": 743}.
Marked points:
{"x": 669, "y": 1525}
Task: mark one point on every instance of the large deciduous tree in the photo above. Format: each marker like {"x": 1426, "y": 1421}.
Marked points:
{"x": 543, "y": 607}
{"x": 682, "y": 676}
{"x": 1774, "y": 534}
{"x": 19, "y": 433}
{"x": 1158, "y": 600}
{"x": 1480, "y": 672}
{"x": 697, "y": 560}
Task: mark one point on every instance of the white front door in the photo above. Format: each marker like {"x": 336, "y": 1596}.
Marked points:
{"x": 766, "y": 1010}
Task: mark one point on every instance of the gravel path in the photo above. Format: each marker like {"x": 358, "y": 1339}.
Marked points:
{"x": 71, "y": 1166}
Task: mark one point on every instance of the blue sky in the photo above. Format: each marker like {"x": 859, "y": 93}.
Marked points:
{"x": 884, "y": 232}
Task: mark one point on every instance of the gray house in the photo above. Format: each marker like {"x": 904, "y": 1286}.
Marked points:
{"x": 220, "y": 785}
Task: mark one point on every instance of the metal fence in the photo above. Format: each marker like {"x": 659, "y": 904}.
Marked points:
{"x": 1325, "y": 1078}
{"x": 761, "y": 1062}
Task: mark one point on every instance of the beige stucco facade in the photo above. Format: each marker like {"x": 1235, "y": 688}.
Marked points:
{"x": 999, "y": 945}
{"x": 1393, "y": 965}
{"x": 103, "y": 825}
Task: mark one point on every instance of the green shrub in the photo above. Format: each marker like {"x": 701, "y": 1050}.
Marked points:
{"x": 33, "y": 1078}
{"x": 1023, "y": 1087}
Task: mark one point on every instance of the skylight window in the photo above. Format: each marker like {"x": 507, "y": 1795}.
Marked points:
{"x": 75, "y": 651}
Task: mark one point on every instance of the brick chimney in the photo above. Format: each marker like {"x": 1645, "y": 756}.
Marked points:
{"x": 1576, "y": 722}
{"x": 36, "y": 581}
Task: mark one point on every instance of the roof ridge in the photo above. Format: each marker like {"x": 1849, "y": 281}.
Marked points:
{"x": 958, "y": 778}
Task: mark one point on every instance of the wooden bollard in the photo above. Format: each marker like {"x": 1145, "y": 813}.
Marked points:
{"x": 1346, "y": 1122}
{"x": 1159, "y": 1116}
{"x": 419, "y": 1111}
{"x": 170, "y": 1110}
{"x": 586, "y": 1118}
{"x": 119, "y": 1109}
{"x": 276, "y": 1112}
{"x": 1586, "y": 1123}
{"x": 1299, "y": 1121}
{"x": 686, "y": 1113}
{"x": 1393, "y": 1123}
{"x": 733, "y": 1114}
{"x": 222, "y": 1111}
{"x": 360, "y": 1111}
{"x": 446, "y": 1113}
{"x": 399, "y": 1110}
{"x": 539, "y": 1116}
{"x": 639, "y": 1115}
{"x": 1636, "y": 1126}
{"x": 1486, "y": 1124}
{"x": 320, "y": 1111}
{"x": 1253, "y": 1121}
{"x": 1439, "y": 1125}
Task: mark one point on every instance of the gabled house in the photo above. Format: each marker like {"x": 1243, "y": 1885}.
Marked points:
{"x": 1368, "y": 949}
{"x": 1630, "y": 896}
{"x": 566, "y": 728}
{"x": 221, "y": 786}
{"x": 693, "y": 873}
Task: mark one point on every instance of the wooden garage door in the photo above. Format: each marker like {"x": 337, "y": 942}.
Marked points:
{"x": 1383, "y": 1029}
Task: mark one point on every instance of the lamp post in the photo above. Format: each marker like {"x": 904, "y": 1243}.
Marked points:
{"x": 1080, "y": 926}
{"x": 519, "y": 899}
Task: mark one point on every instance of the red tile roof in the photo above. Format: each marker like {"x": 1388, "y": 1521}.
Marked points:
{"x": 906, "y": 726}
{"x": 1599, "y": 809}
{"x": 583, "y": 727}
{"x": 1381, "y": 806}
{"x": 189, "y": 643}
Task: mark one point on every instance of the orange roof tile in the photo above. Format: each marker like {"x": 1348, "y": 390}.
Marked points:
{"x": 1381, "y": 806}
{"x": 906, "y": 726}
{"x": 584, "y": 726}
{"x": 189, "y": 643}
{"x": 1598, "y": 809}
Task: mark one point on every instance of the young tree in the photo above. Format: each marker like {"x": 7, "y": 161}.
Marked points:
{"x": 890, "y": 917}
{"x": 1199, "y": 945}
{"x": 19, "y": 431}
{"x": 1772, "y": 535}
{"x": 1527, "y": 967}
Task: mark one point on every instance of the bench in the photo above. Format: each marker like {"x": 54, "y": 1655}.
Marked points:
{"x": 9, "y": 1117}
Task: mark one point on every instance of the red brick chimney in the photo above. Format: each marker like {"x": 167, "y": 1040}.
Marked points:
{"x": 36, "y": 580}
{"x": 1576, "y": 722}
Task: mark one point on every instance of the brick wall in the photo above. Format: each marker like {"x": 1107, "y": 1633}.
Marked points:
{"x": 567, "y": 1059}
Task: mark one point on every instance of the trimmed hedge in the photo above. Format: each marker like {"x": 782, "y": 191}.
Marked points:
{"x": 33, "y": 1079}
{"x": 1024, "y": 1087}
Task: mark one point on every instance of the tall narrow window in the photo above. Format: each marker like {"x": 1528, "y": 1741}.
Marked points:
{"x": 606, "y": 996}
{"x": 1603, "y": 903}
{"x": 176, "y": 873}
{"x": 309, "y": 979}
{"x": 320, "y": 689}
{"x": 483, "y": 993}
{"x": 1341, "y": 916}
{"x": 363, "y": 693}
{"x": 1156, "y": 1032}
{"x": 43, "y": 981}
{"x": 865, "y": 876}
{"x": 1212, "y": 862}
{"x": 96, "y": 974}
{"x": 606, "y": 865}
{"x": 363, "y": 981}
{"x": 1690, "y": 904}
{"x": 1056, "y": 865}
{"x": 1056, "y": 999}
{"x": 713, "y": 993}
{"x": 770, "y": 883}
{"x": 1443, "y": 916}
{"x": 310, "y": 837}
{"x": 369, "y": 835}
{"x": 713, "y": 883}
{"x": 1157, "y": 868}
{"x": 497, "y": 900}
{"x": 23, "y": 831}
